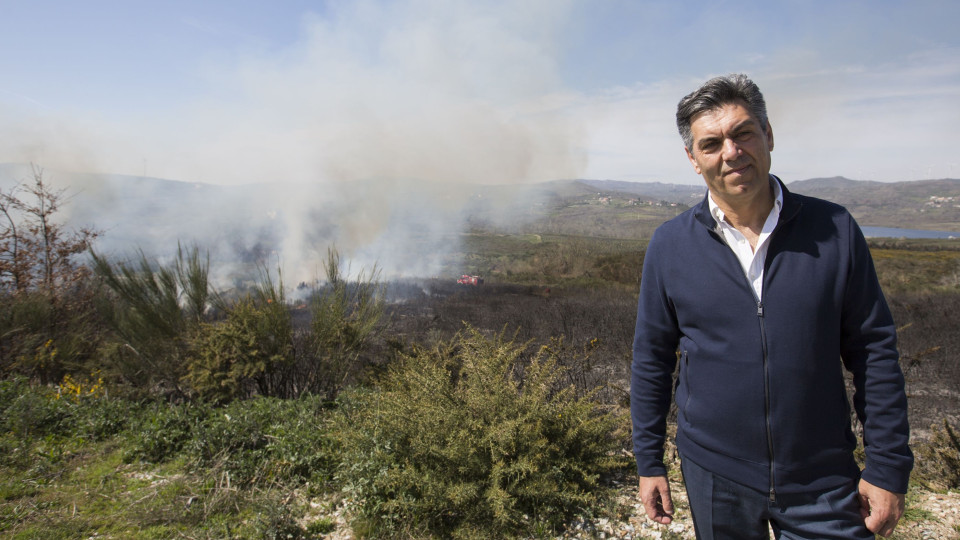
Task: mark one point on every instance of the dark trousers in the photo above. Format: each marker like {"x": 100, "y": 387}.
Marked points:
{"x": 723, "y": 509}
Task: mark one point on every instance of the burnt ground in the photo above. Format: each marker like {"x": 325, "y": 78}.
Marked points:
{"x": 929, "y": 339}
{"x": 597, "y": 328}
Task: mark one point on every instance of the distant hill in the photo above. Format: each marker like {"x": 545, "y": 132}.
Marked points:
{"x": 656, "y": 191}
{"x": 413, "y": 226}
{"x": 918, "y": 204}
{"x": 153, "y": 214}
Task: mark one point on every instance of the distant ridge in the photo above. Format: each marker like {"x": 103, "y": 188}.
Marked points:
{"x": 840, "y": 182}
{"x": 831, "y": 182}
{"x": 917, "y": 204}
{"x": 657, "y": 191}
{"x": 155, "y": 212}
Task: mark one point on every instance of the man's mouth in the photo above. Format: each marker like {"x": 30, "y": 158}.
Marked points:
{"x": 739, "y": 170}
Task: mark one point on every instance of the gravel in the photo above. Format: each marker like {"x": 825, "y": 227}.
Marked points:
{"x": 930, "y": 516}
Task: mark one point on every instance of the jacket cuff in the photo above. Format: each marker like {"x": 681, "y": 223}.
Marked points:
{"x": 886, "y": 477}
{"x": 647, "y": 466}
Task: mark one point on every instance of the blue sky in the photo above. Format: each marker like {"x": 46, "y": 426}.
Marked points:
{"x": 234, "y": 92}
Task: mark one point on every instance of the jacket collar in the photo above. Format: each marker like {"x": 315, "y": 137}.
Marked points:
{"x": 790, "y": 209}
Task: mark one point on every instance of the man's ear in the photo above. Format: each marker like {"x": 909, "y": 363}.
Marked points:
{"x": 769, "y": 135}
{"x": 693, "y": 161}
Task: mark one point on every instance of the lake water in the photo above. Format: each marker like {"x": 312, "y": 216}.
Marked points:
{"x": 892, "y": 232}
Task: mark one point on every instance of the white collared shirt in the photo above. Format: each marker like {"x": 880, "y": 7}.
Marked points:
{"x": 751, "y": 260}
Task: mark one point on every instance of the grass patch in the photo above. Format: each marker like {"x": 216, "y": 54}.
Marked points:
{"x": 913, "y": 512}
{"x": 58, "y": 480}
{"x": 910, "y": 270}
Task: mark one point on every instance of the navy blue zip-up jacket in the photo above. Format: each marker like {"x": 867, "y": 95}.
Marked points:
{"x": 760, "y": 391}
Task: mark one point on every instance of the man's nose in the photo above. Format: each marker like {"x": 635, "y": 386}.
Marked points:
{"x": 731, "y": 150}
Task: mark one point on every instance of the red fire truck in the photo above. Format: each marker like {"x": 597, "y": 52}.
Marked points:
{"x": 470, "y": 280}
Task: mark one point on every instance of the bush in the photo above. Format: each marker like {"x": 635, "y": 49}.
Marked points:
{"x": 345, "y": 321}
{"x": 71, "y": 409}
{"x": 265, "y": 440}
{"x": 152, "y": 310}
{"x": 45, "y": 335}
{"x": 163, "y": 430}
{"x": 28, "y": 412}
{"x": 94, "y": 415}
{"x": 45, "y": 304}
{"x": 234, "y": 358}
{"x": 469, "y": 440}
{"x": 938, "y": 461}
{"x": 25, "y": 324}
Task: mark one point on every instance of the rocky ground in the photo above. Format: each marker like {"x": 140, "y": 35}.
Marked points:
{"x": 930, "y": 516}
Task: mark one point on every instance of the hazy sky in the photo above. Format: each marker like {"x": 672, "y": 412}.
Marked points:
{"x": 237, "y": 91}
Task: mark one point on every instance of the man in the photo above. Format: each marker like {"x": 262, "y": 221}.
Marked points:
{"x": 764, "y": 296}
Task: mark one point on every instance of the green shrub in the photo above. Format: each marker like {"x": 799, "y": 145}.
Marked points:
{"x": 322, "y": 526}
{"x": 345, "y": 320}
{"x": 266, "y": 440}
{"x": 152, "y": 309}
{"x": 32, "y": 412}
{"x": 236, "y": 357}
{"x": 10, "y": 391}
{"x": 102, "y": 417}
{"x": 163, "y": 430}
{"x": 24, "y": 323}
{"x": 468, "y": 440}
{"x": 938, "y": 461}
{"x": 277, "y": 521}
{"x": 45, "y": 335}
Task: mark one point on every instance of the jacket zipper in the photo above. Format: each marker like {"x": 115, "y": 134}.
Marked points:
{"x": 784, "y": 218}
{"x": 766, "y": 369}
{"x": 766, "y": 400}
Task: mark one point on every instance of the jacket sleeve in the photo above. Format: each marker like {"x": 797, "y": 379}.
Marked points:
{"x": 654, "y": 359}
{"x": 869, "y": 352}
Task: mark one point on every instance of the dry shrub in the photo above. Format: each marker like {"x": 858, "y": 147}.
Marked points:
{"x": 938, "y": 461}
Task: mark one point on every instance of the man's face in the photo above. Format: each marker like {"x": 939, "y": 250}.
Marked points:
{"x": 731, "y": 150}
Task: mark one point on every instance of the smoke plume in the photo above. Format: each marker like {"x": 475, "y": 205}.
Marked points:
{"x": 368, "y": 133}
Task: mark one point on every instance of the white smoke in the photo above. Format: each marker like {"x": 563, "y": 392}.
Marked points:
{"x": 407, "y": 103}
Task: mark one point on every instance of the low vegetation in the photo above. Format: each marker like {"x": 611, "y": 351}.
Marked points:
{"x": 138, "y": 401}
{"x": 474, "y": 438}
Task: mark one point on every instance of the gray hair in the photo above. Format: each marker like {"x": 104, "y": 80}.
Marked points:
{"x": 715, "y": 93}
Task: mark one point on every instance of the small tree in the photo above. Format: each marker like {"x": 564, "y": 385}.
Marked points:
{"x": 12, "y": 264}
{"x": 37, "y": 252}
{"x": 47, "y": 324}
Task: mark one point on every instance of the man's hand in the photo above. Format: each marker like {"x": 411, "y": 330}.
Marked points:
{"x": 881, "y": 509}
{"x": 655, "y": 496}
